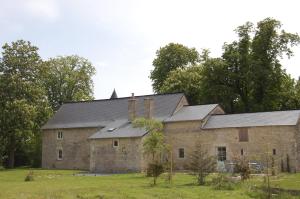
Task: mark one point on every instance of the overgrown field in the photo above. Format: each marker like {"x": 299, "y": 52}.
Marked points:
{"x": 62, "y": 184}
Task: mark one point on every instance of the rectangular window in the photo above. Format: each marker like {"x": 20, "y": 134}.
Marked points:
{"x": 242, "y": 152}
{"x": 115, "y": 143}
{"x": 243, "y": 135}
{"x": 221, "y": 153}
{"x": 181, "y": 153}
{"x": 60, "y": 154}
{"x": 274, "y": 151}
{"x": 59, "y": 135}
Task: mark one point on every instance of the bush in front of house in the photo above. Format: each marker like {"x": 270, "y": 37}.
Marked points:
{"x": 222, "y": 182}
{"x": 202, "y": 164}
{"x": 29, "y": 177}
{"x": 154, "y": 170}
{"x": 242, "y": 167}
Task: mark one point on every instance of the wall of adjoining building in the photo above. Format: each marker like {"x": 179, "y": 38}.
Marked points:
{"x": 105, "y": 158}
{"x": 260, "y": 144}
{"x": 74, "y": 145}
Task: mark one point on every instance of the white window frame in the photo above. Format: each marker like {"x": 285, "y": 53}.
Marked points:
{"x": 179, "y": 153}
{"x": 113, "y": 143}
{"x": 222, "y": 155}
{"x": 60, "y": 135}
{"x": 62, "y": 154}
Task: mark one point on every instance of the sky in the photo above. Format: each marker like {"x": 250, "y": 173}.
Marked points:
{"x": 121, "y": 37}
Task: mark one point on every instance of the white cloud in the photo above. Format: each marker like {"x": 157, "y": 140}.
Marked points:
{"x": 47, "y": 9}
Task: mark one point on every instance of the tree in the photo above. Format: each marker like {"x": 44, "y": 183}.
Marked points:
{"x": 68, "y": 78}
{"x": 187, "y": 80}
{"x": 153, "y": 145}
{"x": 23, "y": 102}
{"x": 169, "y": 58}
{"x": 249, "y": 76}
{"x": 202, "y": 164}
{"x": 268, "y": 45}
{"x": 237, "y": 58}
{"x": 217, "y": 86}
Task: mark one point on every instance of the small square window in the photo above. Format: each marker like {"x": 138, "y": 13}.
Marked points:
{"x": 60, "y": 154}
{"x": 59, "y": 135}
{"x": 274, "y": 151}
{"x": 181, "y": 153}
{"x": 115, "y": 143}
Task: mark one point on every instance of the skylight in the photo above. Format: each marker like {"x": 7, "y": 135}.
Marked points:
{"x": 111, "y": 129}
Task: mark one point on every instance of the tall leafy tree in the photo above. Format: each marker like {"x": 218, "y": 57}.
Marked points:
{"x": 68, "y": 78}
{"x": 269, "y": 43}
{"x": 251, "y": 78}
{"x": 23, "y": 102}
{"x": 217, "y": 86}
{"x": 187, "y": 80}
{"x": 238, "y": 60}
{"x": 169, "y": 58}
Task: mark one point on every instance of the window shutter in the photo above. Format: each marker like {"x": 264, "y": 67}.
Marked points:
{"x": 243, "y": 135}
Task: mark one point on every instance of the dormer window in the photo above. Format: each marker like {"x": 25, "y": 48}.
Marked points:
{"x": 59, "y": 135}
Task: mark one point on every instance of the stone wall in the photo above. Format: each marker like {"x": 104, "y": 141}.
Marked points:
{"x": 74, "y": 145}
{"x": 297, "y": 137}
{"x": 262, "y": 141}
{"x": 106, "y": 158}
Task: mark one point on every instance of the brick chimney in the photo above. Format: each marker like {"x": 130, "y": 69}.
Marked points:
{"x": 131, "y": 108}
{"x": 148, "y": 107}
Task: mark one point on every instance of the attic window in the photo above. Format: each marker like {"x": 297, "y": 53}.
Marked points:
{"x": 115, "y": 143}
{"x": 111, "y": 129}
{"x": 243, "y": 135}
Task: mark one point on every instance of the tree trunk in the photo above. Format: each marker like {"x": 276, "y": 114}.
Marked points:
{"x": 11, "y": 153}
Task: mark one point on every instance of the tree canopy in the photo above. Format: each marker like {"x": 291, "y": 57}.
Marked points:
{"x": 30, "y": 91}
{"x": 248, "y": 77}
{"x": 23, "y": 102}
{"x": 168, "y": 58}
{"x": 68, "y": 78}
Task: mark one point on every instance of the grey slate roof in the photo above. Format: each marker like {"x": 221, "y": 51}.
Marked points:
{"x": 276, "y": 118}
{"x": 189, "y": 113}
{"x": 99, "y": 113}
{"x": 119, "y": 129}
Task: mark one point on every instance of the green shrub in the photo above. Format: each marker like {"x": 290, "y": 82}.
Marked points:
{"x": 222, "y": 182}
{"x": 29, "y": 177}
{"x": 242, "y": 167}
{"x": 154, "y": 170}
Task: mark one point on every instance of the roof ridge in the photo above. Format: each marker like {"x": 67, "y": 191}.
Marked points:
{"x": 257, "y": 112}
{"x": 200, "y": 105}
{"x": 119, "y": 98}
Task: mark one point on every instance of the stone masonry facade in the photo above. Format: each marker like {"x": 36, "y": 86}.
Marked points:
{"x": 73, "y": 148}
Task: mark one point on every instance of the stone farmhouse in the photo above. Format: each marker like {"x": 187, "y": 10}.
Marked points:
{"x": 98, "y": 136}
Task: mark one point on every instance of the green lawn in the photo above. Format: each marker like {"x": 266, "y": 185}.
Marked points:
{"x": 50, "y": 184}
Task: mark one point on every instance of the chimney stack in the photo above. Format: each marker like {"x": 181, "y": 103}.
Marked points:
{"x": 131, "y": 108}
{"x": 148, "y": 107}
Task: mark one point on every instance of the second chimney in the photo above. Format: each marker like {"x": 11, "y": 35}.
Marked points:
{"x": 131, "y": 108}
{"x": 148, "y": 107}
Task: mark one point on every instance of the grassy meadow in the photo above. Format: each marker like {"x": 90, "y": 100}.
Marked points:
{"x": 67, "y": 184}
